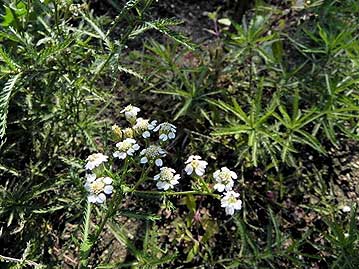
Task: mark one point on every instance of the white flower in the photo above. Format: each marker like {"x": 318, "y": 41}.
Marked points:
{"x": 166, "y": 130}
{"x": 230, "y": 202}
{"x": 95, "y": 160}
{"x": 167, "y": 178}
{"x": 346, "y": 209}
{"x": 144, "y": 127}
{"x": 153, "y": 153}
{"x": 224, "y": 178}
{"x": 98, "y": 188}
{"x": 126, "y": 147}
{"x": 195, "y": 163}
{"x": 130, "y": 112}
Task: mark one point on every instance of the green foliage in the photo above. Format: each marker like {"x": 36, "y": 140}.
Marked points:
{"x": 273, "y": 94}
{"x": 59, "y": 64}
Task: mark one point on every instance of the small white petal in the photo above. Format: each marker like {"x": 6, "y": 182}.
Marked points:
{"x": 89, "y": 166}
{"x": 238, "y": 205}
{"x": 171, "y": 135}
{"x": 163, "y": 137}
{"x": 199, "y": 171}
{"x": 189, "y": 169}
{"x": 146, "y": 134}
{"x": 159, "y": 162}
{"x": 91, "y": 177}
{"x": 87, "y": 186}
{"x": 122, "y": 155}
{"x": 101, "y": 198}
{"x": 92, "y": 199}
{"x": 229, "y": 210}
{"x": 144, "y": 160}
{"x": 136, "y": 147}
{"x": 108, "y": 189}
{"x": 160, "y": 185}
{"x": 107, "y": 180}
{"x": 166, "y": 186}
{"x": 219, "y": 187}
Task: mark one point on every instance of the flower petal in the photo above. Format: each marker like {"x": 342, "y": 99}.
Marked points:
{"x": 108, "y": 189}
{"x": 107, "y": 180}
{"x": 159, "y": 162}
{"x": 101, "y": 198}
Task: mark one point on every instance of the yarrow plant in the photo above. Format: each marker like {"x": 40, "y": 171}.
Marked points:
{"x": 167, "y": 178}
{"x": 94, "y": 160}
{"x": 143, "y": 127}
{"x": 224, "y": 179}
{"x": 231, "y": 202}
{"x": 98, "y": 188}
{"x": 153, "y": 154}
{"x": 108, "y": 180}
{"x": 166, "y": 130}
{"x": 194, "y": 163}
{"x": 126, "y": 148}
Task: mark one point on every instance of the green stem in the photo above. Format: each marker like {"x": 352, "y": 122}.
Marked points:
{"x": 142, "y": 179}
{"x": 86, "y": 245}
{"x": 113, "y": 206}
{"x": 203, "y": 183}
{"x": 169, "y": 193}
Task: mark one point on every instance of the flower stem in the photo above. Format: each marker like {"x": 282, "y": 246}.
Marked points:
{"x": 112, "y": 208}
{"x": 203, "y": 183}
{"x": 142, "y": 179}
{"x": 171, "y": 193}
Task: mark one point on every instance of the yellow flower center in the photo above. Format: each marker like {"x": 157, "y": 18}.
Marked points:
{"x": 152, "y": 152}
{"x": 142, "y": 124}
{"x": 195, "y": 163}
{"x": 232, "y": 200}
{"x": 128, "y": 133}
{"x": 125, "y": 146}
{"x": 97, "y": 186}
{"x": 166, "y": 175}
{"x": 117, "y": 131}
{"x": 226, "y": 176}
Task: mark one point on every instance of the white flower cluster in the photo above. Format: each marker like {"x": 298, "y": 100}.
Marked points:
{"x": 231, "y": 202}
{"x": 153, "y": 154}
{"x": 126, "y": 148}
{"x": 143, "y": 127}
{"x": 224, "y": 181}
{"x": 167, "y": 178}
{"x": 94, "y": 160}
{"x": 98, "y": 188}
{"x": 130, "y": 112}
{"x": 194, "y": 163}
{"x": 166, "y": 130}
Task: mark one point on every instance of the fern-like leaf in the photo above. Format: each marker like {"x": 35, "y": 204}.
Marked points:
{"x": 86, "y": 243}
{"x": 131, "y": 72}
{"x": 162, "y": 25}
{"x": 4, "y": 57}
{"x": 128, "y": 6}
{"x": 5, "y": 96}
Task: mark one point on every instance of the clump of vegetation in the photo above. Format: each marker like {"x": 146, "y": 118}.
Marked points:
{"x": 251, "y": 162}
